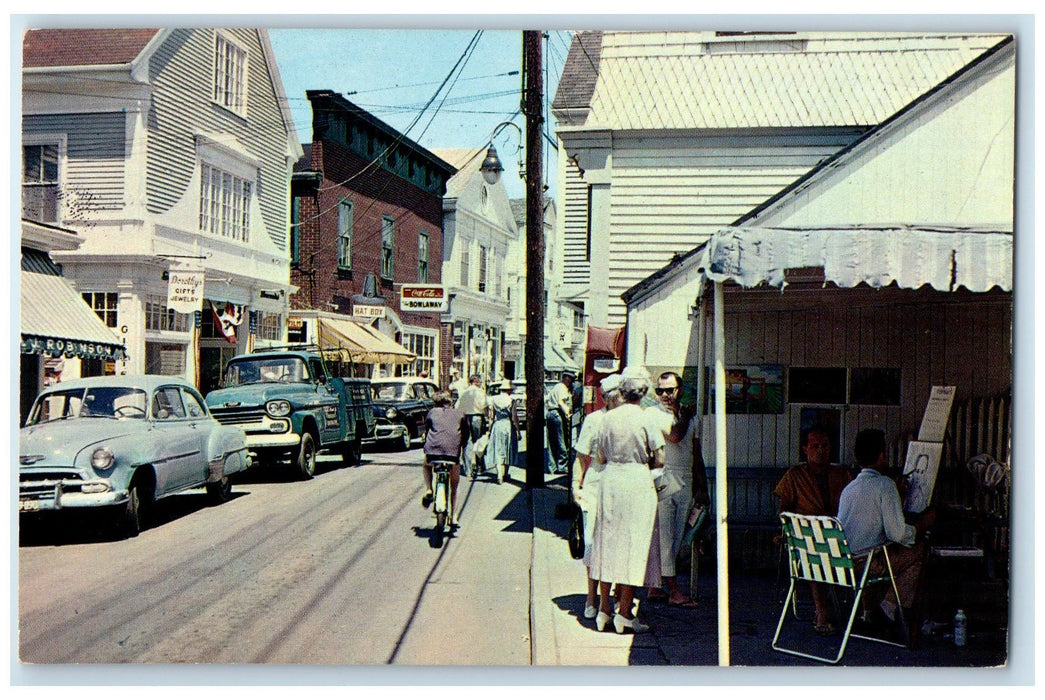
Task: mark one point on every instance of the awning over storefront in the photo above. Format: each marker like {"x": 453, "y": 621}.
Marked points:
{"x": 58, "y": 323}
{"x": 351, "y": 342}
{"x": 556, "y": 361}
{"x": 945, "y": 259}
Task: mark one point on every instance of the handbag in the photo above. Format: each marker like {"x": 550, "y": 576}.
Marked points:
{"x": 667, "y": 485}
{"x": 698, "y": 518}
{"x": 575, "y": 537}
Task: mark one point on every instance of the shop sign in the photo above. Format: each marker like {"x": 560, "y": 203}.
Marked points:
{"x": 185, "y": 290}
{"x": 368, "y": 312}
{"x": 424, "y": 297}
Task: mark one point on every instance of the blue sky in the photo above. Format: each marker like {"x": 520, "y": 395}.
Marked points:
{"x": 394, "y": 73}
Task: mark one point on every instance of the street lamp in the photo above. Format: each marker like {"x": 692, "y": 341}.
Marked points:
{"x": 491, "y": 167}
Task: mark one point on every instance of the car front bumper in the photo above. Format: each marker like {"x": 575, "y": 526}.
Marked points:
{"x": 52, "y": 494}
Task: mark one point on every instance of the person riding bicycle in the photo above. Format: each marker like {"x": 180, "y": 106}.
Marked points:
{"x": 446, "y": 430}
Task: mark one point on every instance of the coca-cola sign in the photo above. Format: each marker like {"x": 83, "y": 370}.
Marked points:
{"x": 423, "y": 297}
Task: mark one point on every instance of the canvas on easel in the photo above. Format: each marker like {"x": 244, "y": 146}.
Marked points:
{"x": 919, "y": 473}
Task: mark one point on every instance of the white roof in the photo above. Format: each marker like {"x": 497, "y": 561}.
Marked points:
{"x": 697, "y": 80}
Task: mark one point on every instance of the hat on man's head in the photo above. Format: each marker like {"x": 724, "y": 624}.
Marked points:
{"x": 634, "y": 372}
{"x": 568, "y": 373}
{"x": 610, "y": 384}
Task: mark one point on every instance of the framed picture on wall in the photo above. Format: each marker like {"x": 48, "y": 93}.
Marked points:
{"x": 816, "y": 385}
{"x": 825, "y": 418}
{"x": 751, "y": 389}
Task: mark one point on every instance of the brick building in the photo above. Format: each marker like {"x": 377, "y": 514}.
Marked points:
{"x": 366, "y": 211}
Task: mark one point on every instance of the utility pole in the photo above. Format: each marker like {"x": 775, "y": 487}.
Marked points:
{"x": 533, "y": 108}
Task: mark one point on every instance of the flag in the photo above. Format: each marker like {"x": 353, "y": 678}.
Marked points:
{"x": 227, "y": 316}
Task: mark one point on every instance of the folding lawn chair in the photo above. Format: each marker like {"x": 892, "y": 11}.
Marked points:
{"x": 818, "y": 551}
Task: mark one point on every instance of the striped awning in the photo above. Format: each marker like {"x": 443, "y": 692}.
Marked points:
{"x": 349, "y": 341}
{"x": 56, "y": 322}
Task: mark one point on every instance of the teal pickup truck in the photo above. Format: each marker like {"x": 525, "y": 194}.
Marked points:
{"x": 290, "y": 407}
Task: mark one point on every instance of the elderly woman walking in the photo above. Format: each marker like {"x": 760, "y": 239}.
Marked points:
{"x": 502, "y": 451}
{"x": 627, "y": 502}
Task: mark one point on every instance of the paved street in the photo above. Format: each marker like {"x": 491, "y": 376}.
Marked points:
{"x": 336, "y": 570}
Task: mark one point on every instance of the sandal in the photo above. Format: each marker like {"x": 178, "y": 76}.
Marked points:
{"x": 826, "y": 629}
{"x": 687, "y": 604}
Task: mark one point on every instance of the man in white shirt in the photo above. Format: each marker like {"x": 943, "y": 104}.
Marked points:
{"x": 559, "y": 408}
{"x": 871, "y": 515}
{"x": 472, "y": 403}
{"x": 682, "y": 458}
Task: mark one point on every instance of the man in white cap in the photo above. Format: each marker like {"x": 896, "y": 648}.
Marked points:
{"x": 586, "y": 478}
{"x": 558, "y": 403}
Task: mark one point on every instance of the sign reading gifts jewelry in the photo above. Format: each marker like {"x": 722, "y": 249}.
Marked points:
{"x": 424, "y": 297}
{"x": 185, "y": 290}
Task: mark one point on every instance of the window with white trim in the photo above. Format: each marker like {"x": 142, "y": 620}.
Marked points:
{"x": 40, "y": 185}
{"x": 104, "y": 304}
{"x": 224, "y": 203}
{"x": 159, "y": 318}
{"x": 387, "y": 246}
{"x": 230, "y": 74}
{"x": 422, "y": 257}
{"x": 345, "y": 225}
{"x": 270, "y": 326}
{"x": 422, "y": 345}
{"x": 482, "y": 268}
{"x": 466, "y": 264}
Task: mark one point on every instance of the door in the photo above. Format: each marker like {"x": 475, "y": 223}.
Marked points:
{"x": 180, "y": 442}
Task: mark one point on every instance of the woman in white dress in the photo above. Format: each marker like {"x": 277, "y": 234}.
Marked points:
{"x": 627, "y": 502}
{"x": 502, "y": 451}
{"x": 586, "y": 476}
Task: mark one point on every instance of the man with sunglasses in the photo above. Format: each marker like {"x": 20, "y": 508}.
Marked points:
{"x": 684, "y": 461}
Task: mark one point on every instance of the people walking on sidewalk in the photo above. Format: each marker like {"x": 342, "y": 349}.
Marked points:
{"x": 445, "y": 433}
{"x": 558, "y": 403}
{"x": 684, "y": 485}
{"x": 586, "y": 477}
{"x": 627, "y": 503}
{"x": 502, "y": 450}
{"x": 472, "y": 403}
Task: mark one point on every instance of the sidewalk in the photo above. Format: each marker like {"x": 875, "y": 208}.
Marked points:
{"x": 562, "y": 637}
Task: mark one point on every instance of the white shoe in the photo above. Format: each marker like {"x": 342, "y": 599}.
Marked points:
{"x": 601, "y": 620}
{"x": 590, "y": 611}
{"x": 621, "y": 623}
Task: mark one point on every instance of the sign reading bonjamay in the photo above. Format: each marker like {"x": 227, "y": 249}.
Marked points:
{"x": 423, "y": 297}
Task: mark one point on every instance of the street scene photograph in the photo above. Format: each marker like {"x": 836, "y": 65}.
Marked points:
{"x": 686, "y": 348}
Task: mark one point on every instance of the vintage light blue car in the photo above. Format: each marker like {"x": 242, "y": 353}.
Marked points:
{"x": 122, "y": 443}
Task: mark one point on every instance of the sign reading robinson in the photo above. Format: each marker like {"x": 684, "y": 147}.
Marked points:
{"x": 424, "y": 297}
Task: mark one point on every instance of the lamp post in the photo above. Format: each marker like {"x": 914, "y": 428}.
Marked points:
{"x": 533, "y": 108}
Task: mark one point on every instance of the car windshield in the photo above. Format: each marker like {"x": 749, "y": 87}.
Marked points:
{"x": 392, "y": 391}
{"x": 269, "y": 369}
{"x": 102, "y": 401}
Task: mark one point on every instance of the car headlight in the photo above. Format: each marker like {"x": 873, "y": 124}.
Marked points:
{"x": 278, "y": 408}
{"x": 102, "y": 458}
{"x": 391, "y": 412}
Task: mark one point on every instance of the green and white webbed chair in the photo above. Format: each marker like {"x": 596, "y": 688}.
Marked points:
{"x": 818, "y": 551}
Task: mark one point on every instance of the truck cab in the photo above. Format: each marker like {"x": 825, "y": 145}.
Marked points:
{"x": 290, "y": 407}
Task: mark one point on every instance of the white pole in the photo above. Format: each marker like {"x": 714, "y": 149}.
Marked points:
{"x": 722, "y": 546}
{"x": 701, "y": 362}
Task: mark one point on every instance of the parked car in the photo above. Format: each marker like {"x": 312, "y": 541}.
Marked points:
{"x": 123, "y": 443}
{"x": 400, "y": 407}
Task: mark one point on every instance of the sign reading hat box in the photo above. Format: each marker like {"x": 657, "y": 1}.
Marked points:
{"x": 424, "y": 297}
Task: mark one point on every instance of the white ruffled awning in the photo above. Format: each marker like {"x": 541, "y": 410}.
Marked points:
{"x": 945, "y": 259}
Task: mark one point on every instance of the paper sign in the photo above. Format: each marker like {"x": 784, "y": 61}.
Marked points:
{"x": 937, "y": 411}
{"x": 919, "y": 472}
{"x": 185, "y": 291}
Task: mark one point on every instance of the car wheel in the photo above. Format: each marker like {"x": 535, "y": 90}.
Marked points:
{"x": 219, "y": 491}
{"x": 130, "y": 522}
{"x": 306, "y": 461}
{"x": 350, "y": 453}
{"x": 404, "y": 442}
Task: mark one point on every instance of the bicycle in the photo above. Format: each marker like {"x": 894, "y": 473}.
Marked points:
{"x": 441, "y": 470}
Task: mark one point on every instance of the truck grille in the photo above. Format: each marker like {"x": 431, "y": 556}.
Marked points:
{"x": 238, "y": 416}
